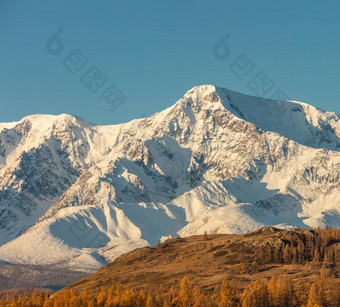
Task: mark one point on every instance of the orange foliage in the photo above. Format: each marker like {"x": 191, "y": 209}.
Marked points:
{"x": 306, "y": 248}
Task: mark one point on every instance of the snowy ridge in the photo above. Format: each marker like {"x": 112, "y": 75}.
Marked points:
{"x": 78, "y": 195}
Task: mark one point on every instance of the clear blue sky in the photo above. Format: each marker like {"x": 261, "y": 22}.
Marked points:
{"x": 154, "y": 51}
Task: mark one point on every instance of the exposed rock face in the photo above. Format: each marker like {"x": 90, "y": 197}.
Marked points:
{"x": 216, "y": 161}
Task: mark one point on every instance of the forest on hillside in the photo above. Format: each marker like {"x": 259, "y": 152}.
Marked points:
{"x": 319, "y": 286}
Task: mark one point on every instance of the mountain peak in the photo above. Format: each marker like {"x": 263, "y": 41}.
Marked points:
{"x": 295, "y": 120}
{"x": 47, "y": 119}
{"x": 205, "y": 92}
{"x": 204, "y": 88}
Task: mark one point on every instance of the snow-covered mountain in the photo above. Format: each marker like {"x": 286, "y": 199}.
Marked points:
{"x": 78, "y": 195}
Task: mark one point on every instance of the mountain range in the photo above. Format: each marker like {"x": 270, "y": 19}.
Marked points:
{"x": 76, "y": 195}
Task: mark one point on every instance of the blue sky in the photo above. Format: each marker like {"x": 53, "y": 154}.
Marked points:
{"x": 154, "y": 51}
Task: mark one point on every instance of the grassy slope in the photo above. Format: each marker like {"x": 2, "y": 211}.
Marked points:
{"x": 206, "y": 261}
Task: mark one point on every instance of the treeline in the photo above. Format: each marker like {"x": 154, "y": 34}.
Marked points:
{"x": 302, "y": 246}
{"x": 280, "y": 291}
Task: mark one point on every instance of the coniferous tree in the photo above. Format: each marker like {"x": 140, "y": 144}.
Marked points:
{"x": 185, "y": 297}
{"x": 226, "y": 295}
{"x": 312, "y": 298}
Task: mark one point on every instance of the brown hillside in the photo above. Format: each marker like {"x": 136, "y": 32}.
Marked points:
{"x": 208, "y": 259}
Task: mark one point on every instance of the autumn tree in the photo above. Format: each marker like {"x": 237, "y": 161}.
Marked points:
{"x": 313, "y": 297}
{"x": 149, "y": 301}
{"x": 255, "y": 295}
{"x": 185, "y": 297}
{"x": 226, "y": 295}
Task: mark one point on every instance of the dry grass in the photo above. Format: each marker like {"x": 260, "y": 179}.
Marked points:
{"x": 205, "y": 260}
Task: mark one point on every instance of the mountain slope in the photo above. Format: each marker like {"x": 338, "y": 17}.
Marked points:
{"x": 216, "y": 161}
